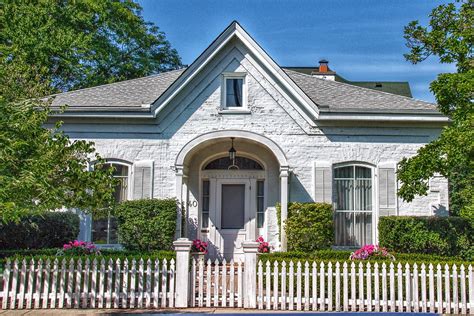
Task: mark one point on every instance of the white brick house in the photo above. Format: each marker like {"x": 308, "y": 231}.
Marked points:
{"x": 297, "y": 137}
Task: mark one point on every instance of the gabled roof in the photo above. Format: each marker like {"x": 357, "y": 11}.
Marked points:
{"x": 395, "y": 87}
{"x": 311, "y": 96}
{"x": 130, "y": 95}
{"x": 305, "y": 107}
{"x": 337, "y": 96}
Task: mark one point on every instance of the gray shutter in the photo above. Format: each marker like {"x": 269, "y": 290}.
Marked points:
{"x": 323, "y": 181}
{"x": 143, "y": 179}
{"x": 387, "y": 186}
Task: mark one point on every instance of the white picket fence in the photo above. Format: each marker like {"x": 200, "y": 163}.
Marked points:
{"x": 216, "y": 284}
{"x": 251, "y": 283}
{"x": 337, "y": 287}
{"x": 88, "y": 284}
{"x": 365, "y": 287}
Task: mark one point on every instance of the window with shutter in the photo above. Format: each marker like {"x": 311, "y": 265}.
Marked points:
{"x": 322, "y": 182}
{"x": 353, "y": 205}
{"x": 387, "y": 189}
{"x": 104, "y": 230}
{"x": 142, "y": 180}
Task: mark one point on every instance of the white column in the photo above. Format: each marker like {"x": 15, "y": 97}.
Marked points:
{"x": 179, "y": 198}
{"x": 284, "y": 174}
{"x": 185, "y": 206}
{"x": 250, "y": 273}
{"x": 182, "y": 246}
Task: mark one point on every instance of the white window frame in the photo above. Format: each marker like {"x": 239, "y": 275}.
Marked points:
{"x": 235, "y": 110}
{"x": 129, "y": 193}
{"x": 374, "y": 211}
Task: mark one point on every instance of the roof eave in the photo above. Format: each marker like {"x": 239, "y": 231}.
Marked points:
{"x": 384, "y": 116}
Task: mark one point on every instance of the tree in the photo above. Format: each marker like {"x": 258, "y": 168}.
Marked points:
{"x": 450, "y": 37}
{"x": 49, "y": 46}
{"x": 68, "y": 45}
{"x": 41, "y": 169}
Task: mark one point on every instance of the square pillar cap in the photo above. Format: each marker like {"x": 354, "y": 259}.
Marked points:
{"x": 250, "y": 246}
{"x": 182, "y": 244}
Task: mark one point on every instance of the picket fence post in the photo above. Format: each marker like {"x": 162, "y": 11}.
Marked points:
{"x": 250, "y": 273}
{"x": 182, "y": 246}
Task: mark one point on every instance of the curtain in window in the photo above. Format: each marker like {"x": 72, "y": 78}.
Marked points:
{"x": 353, "y": 216}
{"x": 238, "y": 92}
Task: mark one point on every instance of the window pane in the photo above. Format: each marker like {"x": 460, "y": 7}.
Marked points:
{"x": 344, "y": 172}
{"x": 205, "y": 204}
{"x": 260, "y": 204}
{"x": 259, "y": 188}
{"x": 344, "y": 195}
{"x": 120, "y": 193}
{"x": 363, "y": 172}
{"x": 104, "y": 231}
{"x": 205, "y": 188}
{"x": 344, "y": 226}
{"x": 363, "y": 195}
{"x": 363, "y": 229}
{"x": 260, "y": 220}
{"x": 234, "y": 92}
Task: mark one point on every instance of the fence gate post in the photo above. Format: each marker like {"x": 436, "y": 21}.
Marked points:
{"x": 182, "y": 246}
{"x": 250, "y": 273}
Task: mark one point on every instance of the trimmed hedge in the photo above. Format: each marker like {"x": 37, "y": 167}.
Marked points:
{"x": 45, "y": 230}
{"x": 445, "y": 236}
{"x": 309, "y": 226}
{"x": 343, "y": 255}
{"x": 146, "y": 225}
{"x": 105, "y": 254}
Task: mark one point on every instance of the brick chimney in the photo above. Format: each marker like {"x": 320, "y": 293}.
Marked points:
{"x": 323, "y": 71}
{"x": 323, "y": 65}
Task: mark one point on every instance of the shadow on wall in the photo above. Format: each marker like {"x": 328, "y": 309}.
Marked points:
{"x": 298, "y": 192}
{"x": 439, "y": 210}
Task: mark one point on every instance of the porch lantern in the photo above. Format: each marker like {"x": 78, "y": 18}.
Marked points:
{"x": 232, "y": 152}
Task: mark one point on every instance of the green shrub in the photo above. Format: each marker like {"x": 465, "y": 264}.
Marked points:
{"x": 146, "y": 224}
{"x": 343, "y": 255}
{"x": 46, "y": 230}
{"x": 445, "y": 236}
{"x": 309, "y": 226}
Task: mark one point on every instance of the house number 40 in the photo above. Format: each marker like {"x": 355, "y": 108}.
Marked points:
{"x": 192, "y": 203}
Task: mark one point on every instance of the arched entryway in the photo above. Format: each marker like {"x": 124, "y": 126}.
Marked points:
{"x": 227, "y": 201}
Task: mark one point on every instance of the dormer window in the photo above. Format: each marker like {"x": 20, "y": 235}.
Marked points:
{"x": 234, "y": 96}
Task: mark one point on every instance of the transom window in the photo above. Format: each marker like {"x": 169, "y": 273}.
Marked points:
{"x": 353, "y": 216}
{"x": 104, "y": 230}
{"x": 234, "y": 96}
{"x": 241, "y": 163}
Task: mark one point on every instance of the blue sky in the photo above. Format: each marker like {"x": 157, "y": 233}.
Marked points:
{"x": 363, "y": 40}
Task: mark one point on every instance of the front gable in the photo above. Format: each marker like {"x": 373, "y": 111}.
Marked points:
{"x": 235, "y": 51}
{"x": 269, "y": 109}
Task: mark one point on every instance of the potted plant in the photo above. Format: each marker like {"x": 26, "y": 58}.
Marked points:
{"x": 199, "y": 249}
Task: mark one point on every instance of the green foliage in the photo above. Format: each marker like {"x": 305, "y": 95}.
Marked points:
{"x": 50, "y": 229}
{"x": 309, "y": 226}
{"x": 450, "y": 36}
{"x": 41, "y": 169}
{"x": 343, "y": 255}
{"x": 146, "y": 225}
{"x": 446, "y": 236}
{"x": 75, "y": 44}
{"x": 105, "y": 254}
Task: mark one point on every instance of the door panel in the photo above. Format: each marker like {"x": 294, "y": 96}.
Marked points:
{"x": 233, "y": 206}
